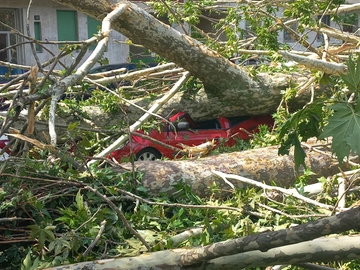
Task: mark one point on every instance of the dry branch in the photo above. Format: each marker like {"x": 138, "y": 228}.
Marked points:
{"x": 61, "y": 86}
{"x": 290, "y": 192}
{"x": 316, "y": 64}
{"x": 145, "y": 117}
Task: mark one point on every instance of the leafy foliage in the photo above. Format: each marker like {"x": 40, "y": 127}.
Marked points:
{"x": 300, "y": 126}
{"x": 344, "y": 124}
{"x": 68, "y": 218}
{"x": 344, "y": 128}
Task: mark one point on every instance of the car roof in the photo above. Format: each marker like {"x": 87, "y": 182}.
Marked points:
{"x": 4, "y": 71}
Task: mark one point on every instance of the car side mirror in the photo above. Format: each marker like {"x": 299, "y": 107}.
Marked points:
{"x": 179, "y": 126}
{"x": 183, "y": 126}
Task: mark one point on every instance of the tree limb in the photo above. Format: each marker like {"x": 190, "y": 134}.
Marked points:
{"x": 264, "y": 241}
{"x": 61, "y": 87}
{"x": 290, "y": 192}
{"x": 318, "y": 250}
{"x": 311, "y": 63}
{"x": 145, "y": 117}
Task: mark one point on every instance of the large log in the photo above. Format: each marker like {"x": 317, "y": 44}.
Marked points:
{"x": 262, "y": 249}
{"x": 340, "y": 248}
{"x": 263, "y": 164}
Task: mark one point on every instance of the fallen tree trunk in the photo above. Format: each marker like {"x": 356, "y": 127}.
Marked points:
{"x": 268, "y": 248}
{"x": 263, "y": 164}
{"x": 229, "y": 90}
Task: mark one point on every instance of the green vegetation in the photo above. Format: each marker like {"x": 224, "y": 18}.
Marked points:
{"x": 63, "y": 216}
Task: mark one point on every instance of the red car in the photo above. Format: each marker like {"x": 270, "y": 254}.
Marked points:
{"x": 191, "y": 133}
{"x": 187, "y": 132}
{"x": 3, "y": 141}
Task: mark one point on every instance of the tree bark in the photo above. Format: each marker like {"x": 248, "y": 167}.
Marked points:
{"x": 229, "y": 90}
{"x": 263, "y": 164}
{"x": 268, "y": 248}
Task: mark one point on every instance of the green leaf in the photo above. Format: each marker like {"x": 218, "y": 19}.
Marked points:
{"x": 72, "y": 126}
{"x": 42, "y": 234}
{"x": 352, "y": 78}
{"x": 48, "y": 232}
{"x": 344, "y": 127}
{"x": 79, "y": 201}
{"x": 26, "y": 264}
{"x": 299, "y": 154}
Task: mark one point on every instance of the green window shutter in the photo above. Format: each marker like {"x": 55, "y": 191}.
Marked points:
{"x": 37, "y": 33}
{"x": 93, "y": 28}
{"x": 66, "y": 25}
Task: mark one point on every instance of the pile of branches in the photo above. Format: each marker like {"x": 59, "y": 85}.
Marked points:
{"x": 50, "y": 211}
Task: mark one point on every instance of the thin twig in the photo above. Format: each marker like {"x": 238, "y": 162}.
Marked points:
{"x": 86, "y": 222}
{"x": 97, "y": 238}
{"x": 352, "y": 180}
{"x": 11, "y": 219}
{"x": 292, "y": 192}
{"x": 158, "y": 104}
{"x": 120, "y": 215}
{"x": 287, "y": 215}
{"x": 135, "y": 197}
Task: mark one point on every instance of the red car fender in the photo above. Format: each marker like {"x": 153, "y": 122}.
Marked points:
{"x": 3, "y": 142}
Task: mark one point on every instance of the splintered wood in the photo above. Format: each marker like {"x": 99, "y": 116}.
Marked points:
{"x": 198, "y": 151}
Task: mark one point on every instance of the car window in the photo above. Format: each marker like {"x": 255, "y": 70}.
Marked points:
{"x": 237, "y": 119}
{"x": 208, "y": 124}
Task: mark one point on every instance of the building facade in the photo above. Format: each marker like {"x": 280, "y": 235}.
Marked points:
{"x": 49, "y": 21}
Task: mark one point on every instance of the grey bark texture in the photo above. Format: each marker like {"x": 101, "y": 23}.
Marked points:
{"x": 290, "y": 245}
{"x": 263, "y": 164}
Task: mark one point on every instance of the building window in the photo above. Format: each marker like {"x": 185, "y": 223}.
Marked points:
{"x": 287, "y": 36}
{"x": 37, "y": 34}
{"x": 325, "y": 20}
{"x": 7, "y": 38}
{"x": 66, "y": 25}
{"x": 350, "y": 23}
{"x": 93, "y": 27}
{"x": 7, "y": 16}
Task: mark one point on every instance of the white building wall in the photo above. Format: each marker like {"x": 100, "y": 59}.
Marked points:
{"x": 117, "y": 52}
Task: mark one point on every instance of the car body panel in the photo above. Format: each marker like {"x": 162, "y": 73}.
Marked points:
{"x": 3, "y": 142}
